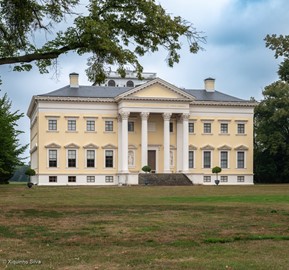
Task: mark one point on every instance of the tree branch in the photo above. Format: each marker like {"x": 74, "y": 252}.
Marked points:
{"x": 37, "y": 56}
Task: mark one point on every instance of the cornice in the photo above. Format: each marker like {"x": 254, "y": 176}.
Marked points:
{"x": 73, "y": 99}
{"x": 226, "y": 103}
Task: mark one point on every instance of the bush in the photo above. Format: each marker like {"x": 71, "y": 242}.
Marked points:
{"x": 146, "y": 168}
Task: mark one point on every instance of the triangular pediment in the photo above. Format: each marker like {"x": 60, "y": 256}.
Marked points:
{"x": 90, "y": 146}
{"x": 242, "y": 147}
{"x": 208, "y": 147}
{"x": 225, "y": 147}
{"x": 156, "y": 89}
{"x": 109, "y": 146}
{"x": 52, "y": 145}
{"x": 71, "y": 145}
{"x": 192, "y": 147}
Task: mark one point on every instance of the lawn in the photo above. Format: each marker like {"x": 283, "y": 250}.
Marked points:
{"x": 196, "y": 227}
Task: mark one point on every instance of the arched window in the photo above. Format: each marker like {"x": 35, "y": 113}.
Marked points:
{"x": 130, "y": 84}
{"x": 111, "y": 83}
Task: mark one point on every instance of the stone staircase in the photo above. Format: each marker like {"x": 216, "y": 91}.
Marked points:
{"x": 164, "y": 179}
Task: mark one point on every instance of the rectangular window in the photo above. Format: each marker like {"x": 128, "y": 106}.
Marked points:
{"x": 90, "y": 179}
{"x": 191, "y": 127}
{"x": 224, "y": 159}
{"x": 71, "y": 125}
{"x": 108, "y": 158}
{"x": 191, "y": 159}
{"x": 171, "y": 127}
{"x": 90, "y": 158}
{"x": 52, "y": 179}
{"x": 224, "y": 178}
{"x": 52, "y": 158}
{"x": 90, "y": 125}
{"x": 207, "y": 128}
{"x": 224, "y": 128}
{"x": 240, "y": 160}
{"x": 207, "y": 159}
{"x": 240, "y": 178}
{"x": 71, "y": 158}
{"x": 71, "y": 179}
{"x": 109, "y": 179}
{"x": 241, "y": 128}
{"x": 52, "y": 124}
{"x": 109, "y": 125}
{"x": 207, "y": 179}
{"x": 130, "y": 126}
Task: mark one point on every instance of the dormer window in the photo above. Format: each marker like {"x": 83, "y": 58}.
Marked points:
{"x": 130, "y": 84}
{"x": 111, "y": 83}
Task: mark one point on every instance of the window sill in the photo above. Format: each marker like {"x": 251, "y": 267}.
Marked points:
{"x": 90, "y": 131}
{"x": 224, "y": 134}
{"x": 240, "y": 134}
{"x": 109, "y": 132}
{"x": 52, "y": 131}
{"x": 208, "y": 134}
{"x": 71, "y": 131}
{"x": 192, "y": 133}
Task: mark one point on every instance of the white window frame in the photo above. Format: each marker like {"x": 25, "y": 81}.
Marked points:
{"x": 223, "y": 177}
{"x": 221, "y": 131}
{"x": 52, "y": 119}
{"x": 90, "y": 181}
{"x": 113, "y": 125}
{"x": 208, "y": 179}
{"x": 238, "y": 177}
{"x": 228, "y": 159}
{"x": 95, "y": 162}
{"x": 71, "y": 181}
{"x": 52, "y": 181}
{"x": 57, "y": 157}
{"x": 76, "y": 157}
{"x": 193, "y": 159}
{"x": 245, "y": 159}
{"x": 113, "y": 159}
{"x": 192, "y": 123}
{"x": 128, "y": 125}
{"x": 86, "y": 123}
{"x": 203, "y": 158}
{"x": 207, "y": 123}
{"x": 110, "y": 177}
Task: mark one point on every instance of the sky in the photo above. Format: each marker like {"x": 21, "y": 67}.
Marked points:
{"x": 234, "y": 54}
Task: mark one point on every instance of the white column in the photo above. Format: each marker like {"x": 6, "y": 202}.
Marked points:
{"x": 144, "y": 138}
{"x": 124, "y": 137}
{"x": 119, "y": 163}
{"x": 167, "y": 117}
{"x": 179, "y": 144}
{"x": 185, "y": 118}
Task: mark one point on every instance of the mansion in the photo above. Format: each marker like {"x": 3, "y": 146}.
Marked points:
{"x": 104, "y": 135}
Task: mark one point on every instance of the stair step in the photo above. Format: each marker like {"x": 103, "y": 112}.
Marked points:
{"x": 164, "y": 179}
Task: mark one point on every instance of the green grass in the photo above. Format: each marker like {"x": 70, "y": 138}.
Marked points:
{"x": 198, "y": 227}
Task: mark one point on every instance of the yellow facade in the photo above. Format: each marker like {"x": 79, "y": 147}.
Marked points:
{"x": 230, "y": 123}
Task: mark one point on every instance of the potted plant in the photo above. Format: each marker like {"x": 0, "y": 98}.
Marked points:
{"x": 217, "y": 170}
{"x": 30, "y": 172}
{"x": 146, "y": 169}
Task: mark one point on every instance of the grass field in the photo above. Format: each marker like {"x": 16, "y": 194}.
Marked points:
{"x": 198, "y": 227}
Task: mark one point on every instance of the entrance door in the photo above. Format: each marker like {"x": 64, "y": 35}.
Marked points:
{"x": 152, "y": 159}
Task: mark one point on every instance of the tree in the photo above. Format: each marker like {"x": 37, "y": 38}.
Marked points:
{"x": 216, "y": 170}
{"x": 280, "y": 44}
{"x": 113, "y": 32}
{"x": 10, "y": 149}
{"x": 272, "y": 134}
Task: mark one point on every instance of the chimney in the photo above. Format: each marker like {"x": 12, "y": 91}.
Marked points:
{"x": 210, "y": 84}
{"x": 73, "y": 80}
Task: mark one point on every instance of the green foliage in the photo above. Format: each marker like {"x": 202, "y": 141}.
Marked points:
{"x": 30, "y": 172}
{"x": 216, "y": 170}
{"x": 10, "y": 149}
{"x": 272, "y": 134}
{"x": 146, "y": 168}
{"x": 112, "y": 32}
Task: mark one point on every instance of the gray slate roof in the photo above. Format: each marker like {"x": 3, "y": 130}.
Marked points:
{"x": 111, "y": 92}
